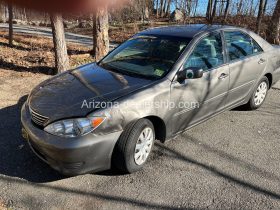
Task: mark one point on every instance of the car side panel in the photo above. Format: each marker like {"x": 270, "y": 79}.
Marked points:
{"x": 243, "y": 75}
{"x": 151, "y": 101}
{"x": 274, "y": 63}
{"x": 204, "y": 97}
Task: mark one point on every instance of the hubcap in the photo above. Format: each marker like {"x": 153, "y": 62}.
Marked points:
{"x": 260, "y": 93}
{"x": 143, "y": 146}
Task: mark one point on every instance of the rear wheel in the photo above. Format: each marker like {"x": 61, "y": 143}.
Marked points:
{"x": 259, "y": 94}
{"x": 134, "y": 146}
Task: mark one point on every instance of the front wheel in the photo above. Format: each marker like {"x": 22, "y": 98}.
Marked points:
{"x": 259, "y": 94}
{"x": 134, "y": 146}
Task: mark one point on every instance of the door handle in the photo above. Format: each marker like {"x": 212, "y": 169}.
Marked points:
{"x": 223, "y": 76}
{"x": 261, "y": 61}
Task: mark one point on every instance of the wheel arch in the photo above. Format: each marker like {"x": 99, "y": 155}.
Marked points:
{"x": 159, "y": 126}
{"x": 270, "y": 79}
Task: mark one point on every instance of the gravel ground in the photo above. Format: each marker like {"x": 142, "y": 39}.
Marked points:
{"x": 228, "y": 162}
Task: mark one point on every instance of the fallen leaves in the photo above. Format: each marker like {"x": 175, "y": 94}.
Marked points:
{"x": 34, "y": 54}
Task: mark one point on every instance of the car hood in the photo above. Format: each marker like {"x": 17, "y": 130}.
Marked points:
{"x": 68, "y": 94}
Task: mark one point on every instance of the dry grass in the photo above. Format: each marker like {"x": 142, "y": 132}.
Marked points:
{"x": 35, "y": 54}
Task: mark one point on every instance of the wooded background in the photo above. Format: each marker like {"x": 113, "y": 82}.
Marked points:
{"x": 261, "y": 16}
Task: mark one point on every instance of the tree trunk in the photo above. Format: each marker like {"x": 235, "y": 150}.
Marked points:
{"x": 157, "y": 7}
{"x": 60, "y": 48}
{"x": 167, "y": 12}
{"x": 146, "y": 11}
{"x": 274, "y": 27}
{"x": 239, "y": 7}
{"x": 251, "y": 13}
{"x": 100, "y": 33}
{"x": 221, "y": 7}
{"x": 188, "y": 8}
{"x": 161, "y": 7}
{"x": 11, "y": 30}
{"x": 2, "y": 13}
{"x": 209, "y": 9}
{"x": 195, "y": 8}
{"x": 24, "y": 12}
{"x": 214, "y": 11}
{"x": 265, "y": 5}
{"x": 260, "y": 15}
{"x": 226, "y": 10}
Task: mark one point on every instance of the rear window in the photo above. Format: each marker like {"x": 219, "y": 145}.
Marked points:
{"x": 240, "y": 45}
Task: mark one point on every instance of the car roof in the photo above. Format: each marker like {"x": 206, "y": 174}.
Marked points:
{"x": 183, "y": 31}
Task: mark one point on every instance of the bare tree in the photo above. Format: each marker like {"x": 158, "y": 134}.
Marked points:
{"x": 60, "y": 48}
{"x": 274, "y": 27}
{"x": 11, "y": 30}
{"x": 188, "y": 7}
{"x": 261, "y": 14}
{"x": 221, "y": 7}
{"x": 239, "y": 7}
{"x": 168, "y": 5}
{"x": 100, "y": 33}
{"x": 228, "y": 2}
{"x": 161, "y": 7}
{"x": 2, "y": 12}
{"x": 251, "y": 11}
{"x": 157, "y": 7}
{"x": 209, "y": 9}
{"x": 195, "y": 8}
{"x": 214, "y": 11}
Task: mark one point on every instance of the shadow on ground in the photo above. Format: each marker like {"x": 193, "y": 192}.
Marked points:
{"x": 16, "y": 158}
{"x": 35, "y": 69}
{"x": 172, "y": 153}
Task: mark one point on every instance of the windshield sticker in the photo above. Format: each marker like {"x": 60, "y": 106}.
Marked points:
{"x": 159, "y": 72}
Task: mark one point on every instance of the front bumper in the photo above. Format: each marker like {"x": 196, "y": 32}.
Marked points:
{"x": 70, "y": 156}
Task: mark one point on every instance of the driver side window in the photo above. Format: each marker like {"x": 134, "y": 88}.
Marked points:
{"x": 207, "y": 54}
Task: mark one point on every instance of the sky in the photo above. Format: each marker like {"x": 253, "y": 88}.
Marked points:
{"x": 202, "y": 6}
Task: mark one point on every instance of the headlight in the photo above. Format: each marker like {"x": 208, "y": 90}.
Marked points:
{"x": 74, "y": 127}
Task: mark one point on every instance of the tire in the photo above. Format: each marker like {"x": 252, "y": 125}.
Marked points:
{"x": 124, "y": 153}
{"x": 258, "y": 98}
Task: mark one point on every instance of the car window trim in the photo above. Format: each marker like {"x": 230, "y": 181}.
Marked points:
{"x": 244, "y": 58}
{"x": 253, "y": 40}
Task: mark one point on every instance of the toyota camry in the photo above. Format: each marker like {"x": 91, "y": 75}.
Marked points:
{"x": 154, "y": 86}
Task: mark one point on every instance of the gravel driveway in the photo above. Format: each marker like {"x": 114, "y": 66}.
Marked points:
{"x": 229, "y": 162}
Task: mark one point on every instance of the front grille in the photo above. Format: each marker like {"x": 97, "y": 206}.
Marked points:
{"x": 37, "y": 118}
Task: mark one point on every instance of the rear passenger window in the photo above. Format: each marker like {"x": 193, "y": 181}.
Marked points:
{"x": 256, "y": 47}
{"x": 207, "y": 54}
{"x": 240, "y": 45}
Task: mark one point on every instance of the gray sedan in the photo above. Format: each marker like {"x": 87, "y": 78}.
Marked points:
{"x": 154, "y": 86}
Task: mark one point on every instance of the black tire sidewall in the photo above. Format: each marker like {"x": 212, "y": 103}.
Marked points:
{"x": 131, "y": 144}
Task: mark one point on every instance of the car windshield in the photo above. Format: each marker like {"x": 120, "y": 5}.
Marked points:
{"x": 146, "y": 56}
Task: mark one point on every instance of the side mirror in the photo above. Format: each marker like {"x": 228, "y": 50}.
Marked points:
{"x": 190, "y": 73}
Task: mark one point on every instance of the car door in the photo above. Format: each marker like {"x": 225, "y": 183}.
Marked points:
{"x": 196, "y": 99}
{"x": 246, "y": 62}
